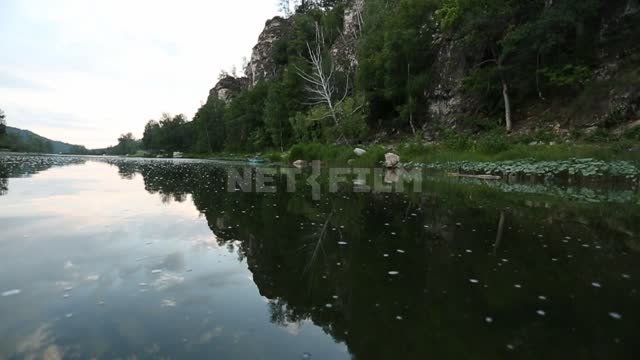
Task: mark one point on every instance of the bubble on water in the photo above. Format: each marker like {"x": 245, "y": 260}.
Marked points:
{"x": 393, "y": 273}
{"x": 400, "y": 251}
{"x": 12, "y": 292}
{"x": 342, "y": 243}
{"x": 68, "y": 264}
{"x": 328, "y": 306}
{"x": 156, "y": 271}
{"x": 398, "y": 317}
{"x": 541, "y": 312}
{"x": 542, "y": 297}
{"x": 69, "y": 315}
{"x": 596, "y": 285}
{"x": 385, "y": 255}
{"x": 615, "y": 315}
{"x": 510, "y": 347}
{"x": 626, "y": 276}
{"x": 474, "y": 281}
{"x": 168, "y": 303}
{"x": 517, "y": 286}
{"x": 488, "y": 319}
{"x": 468, "y": 251}
{"x": 101, "y": 303}
{"x": 306, "y": 355}
{"x": 65, "y": 296}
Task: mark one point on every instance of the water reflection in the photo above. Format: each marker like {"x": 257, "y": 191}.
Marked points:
{"x": 27, "y": 165}
{"x": 463, "y": 270}
{"x": 460, "y": 271}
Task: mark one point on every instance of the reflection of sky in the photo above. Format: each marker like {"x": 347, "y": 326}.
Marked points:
{"x": 107, "y": 268}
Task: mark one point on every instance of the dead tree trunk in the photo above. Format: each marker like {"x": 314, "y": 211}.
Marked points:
{"x": 321, "y": 81}
{"x": 507, "y": 105}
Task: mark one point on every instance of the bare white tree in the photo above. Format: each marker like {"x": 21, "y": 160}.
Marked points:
{"x": 321, "y": 80}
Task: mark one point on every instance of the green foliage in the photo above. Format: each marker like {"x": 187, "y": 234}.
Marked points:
{"x": 633, "y": 134}
{"x": 395, "y": 56}
{"x": 456, "y": 140}
{"x": 570, "y": 76}
{"x": 353, "y": 124}
{"x": 533, "y": 47}
{"x": 3, "y": 123}
{"x": 309, "y": 127}
{"x": 169, "y": 134}
{"x": 276, "y": 117}
{"x": 209, "y": 122}
{"x": 493, "y": 142}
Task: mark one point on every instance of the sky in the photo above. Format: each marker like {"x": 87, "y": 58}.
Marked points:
{"x": 84, "y": 72}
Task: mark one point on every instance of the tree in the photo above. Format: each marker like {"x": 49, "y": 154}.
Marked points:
{"x": 127, "y": 144}
{"x": 486, "y": 23}
{"x": 321, "y": 80}
{"x": 395, "y": 54}
{"x": 151, "y": 136}
{"x": 3, "y": 123}
{"x": 209, "y": 121}
{"x": 276, "y": 117}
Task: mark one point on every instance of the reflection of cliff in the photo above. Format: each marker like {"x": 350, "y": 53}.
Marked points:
{"x": 334, "y": 262}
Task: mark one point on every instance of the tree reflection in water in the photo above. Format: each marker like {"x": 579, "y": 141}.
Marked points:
{"x": 389, "y": 274}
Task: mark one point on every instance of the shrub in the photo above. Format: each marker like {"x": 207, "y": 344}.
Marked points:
{"x": 457, "y": 141}
{"x": 633, "y": 134}
{"x": 493, "y": 143}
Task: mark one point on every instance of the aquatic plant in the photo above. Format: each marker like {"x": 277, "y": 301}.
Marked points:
{"x": 589, "y": 168}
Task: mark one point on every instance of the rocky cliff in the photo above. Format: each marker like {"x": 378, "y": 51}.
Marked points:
{"x": 228, "y": 87}
{"x": 610, "y": 99}
{"x": 262, "y": 65}
{"x": 613, "y": 92}
{"x": 344, "y": 49}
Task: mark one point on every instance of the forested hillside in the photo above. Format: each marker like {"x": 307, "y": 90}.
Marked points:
{"x": 354, "y": 71}
{"x": 26, "y": 141}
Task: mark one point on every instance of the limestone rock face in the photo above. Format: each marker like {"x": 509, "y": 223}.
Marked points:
{"x": 618, "y": 46}
{"x": 343, "y": 50}
{"x": 446, "y": 100}
{"x": 261, "y": 66}
{"x": 228, "y": 87}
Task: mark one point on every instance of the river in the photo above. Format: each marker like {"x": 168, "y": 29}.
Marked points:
{"x": 121, "y": 258}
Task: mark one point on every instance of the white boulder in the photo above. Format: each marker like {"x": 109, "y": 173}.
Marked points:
{"x": 359, "y": 151}
{"x": 391, "y": 160}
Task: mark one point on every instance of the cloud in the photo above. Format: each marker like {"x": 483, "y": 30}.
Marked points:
{"x": 110, "y": 66}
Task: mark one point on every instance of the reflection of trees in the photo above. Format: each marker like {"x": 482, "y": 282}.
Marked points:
{"x": 12, "y": 166}
{"x": 4, "y": 182}
{"x": 325, "y": 261}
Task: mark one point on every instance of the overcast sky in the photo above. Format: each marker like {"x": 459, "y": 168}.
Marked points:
{"x": 84, "y": 71}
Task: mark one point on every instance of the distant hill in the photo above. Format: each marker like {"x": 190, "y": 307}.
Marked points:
{"x": 28, "y": 141}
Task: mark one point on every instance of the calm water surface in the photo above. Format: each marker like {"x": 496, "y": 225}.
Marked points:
{"x": 113, "y": 258}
